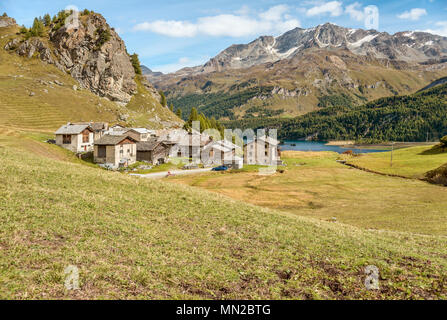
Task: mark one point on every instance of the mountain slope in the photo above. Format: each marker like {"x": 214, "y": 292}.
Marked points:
{"x": 414, "y": 117}
{"x": 300, "y": 70}
{"x": 141, "y": 239}
{"x": 50, "y": 80}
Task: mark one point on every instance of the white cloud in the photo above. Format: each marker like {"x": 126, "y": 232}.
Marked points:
{"x": 414, "y": 14}
{"x": 169, "y": 28}
{"x": 334, "y": 8}
{"x": 441, "y": 29}
{"x": 274, "y": 20}
{"x": 180, "y": 64}
{"x": 354, "y": 11}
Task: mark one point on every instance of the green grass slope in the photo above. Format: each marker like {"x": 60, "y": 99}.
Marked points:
{"x": 53, "y": 105}
{"x": 134, "y": 238}
{"x": 409, "y": 162}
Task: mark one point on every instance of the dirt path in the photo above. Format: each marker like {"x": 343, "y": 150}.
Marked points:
{"x": 161, "y": 175}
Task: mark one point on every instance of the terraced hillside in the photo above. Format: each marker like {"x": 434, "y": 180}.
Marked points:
{"x": 37, "y": 95}
{"x": 133, "y": 238}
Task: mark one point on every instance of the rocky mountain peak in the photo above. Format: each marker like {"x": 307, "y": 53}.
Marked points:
{"x": 6, "y": 21}
{"x": 410, "y": 47}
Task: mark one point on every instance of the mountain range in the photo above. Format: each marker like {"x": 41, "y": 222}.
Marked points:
{"x": 305, "y": 69}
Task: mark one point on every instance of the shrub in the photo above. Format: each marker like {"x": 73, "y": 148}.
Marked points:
{"x": 136, "y": 64}
{"x": 443, "y": 141}
{"x": 103, "y": 36}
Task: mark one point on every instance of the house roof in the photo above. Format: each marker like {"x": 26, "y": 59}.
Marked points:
{"x": 143, "y": 130}
{"x": 73, "y": 128}
{"x": 109, "y": 140}
{"x": 96, "y": 126}
{"x": 220, "y": 145}
{"x": 269, "y": 140}
{"x": 194, "y": 140}
{"x": 228, "y": 144}
{"x": 148, "y": 145}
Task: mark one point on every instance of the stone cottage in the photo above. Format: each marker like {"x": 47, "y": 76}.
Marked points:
{"x": 116, "y": 151}
{"x": 77, "y": 138}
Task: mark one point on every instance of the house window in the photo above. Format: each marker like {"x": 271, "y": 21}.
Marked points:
{"x": 66, "y": 139}
{"x": 266, "y": 153}
{"x": 211, "y": 153}
{"x": 101, "y": 151}
{"x": 121, "y": 150}
{"x": 86, "y": 137}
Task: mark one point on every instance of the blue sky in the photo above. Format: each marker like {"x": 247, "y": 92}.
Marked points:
{"x": 172, "y": 34}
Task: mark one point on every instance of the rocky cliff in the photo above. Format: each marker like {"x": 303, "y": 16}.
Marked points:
{"x": 93, "y": 53}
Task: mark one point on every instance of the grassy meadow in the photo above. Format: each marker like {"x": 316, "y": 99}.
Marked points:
{"x": 408, "y": 162}
{"x": 144, "y": 239}
{"x": 315, "y": 185}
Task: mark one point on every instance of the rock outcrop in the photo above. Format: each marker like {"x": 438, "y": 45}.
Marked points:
{"x": 103, "y": 68}
{"x": 93, "y": 53}
{"x": 6, "y": 21}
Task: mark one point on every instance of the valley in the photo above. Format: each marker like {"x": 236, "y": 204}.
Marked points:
{"x": 305, "y": 70}
{"x": 147, "y": 239}
{"x": 219, "y": 229}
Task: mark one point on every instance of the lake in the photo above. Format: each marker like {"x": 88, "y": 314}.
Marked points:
{"x": 303, "y": 145}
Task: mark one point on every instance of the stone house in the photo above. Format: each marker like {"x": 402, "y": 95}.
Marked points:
{"x": 77, "y": 138}
{"x": 191, "y": 145}
{"x": 222, "y": 152}
{"x": 116, "y": 151}
{"x": 141, "y": 134}
{"x": 99, "y": 128}
{"x": 262, "y": 151}
{"x": 153, "y": 151}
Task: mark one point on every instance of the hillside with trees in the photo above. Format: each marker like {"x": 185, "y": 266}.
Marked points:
{"x": 416, "y": 117}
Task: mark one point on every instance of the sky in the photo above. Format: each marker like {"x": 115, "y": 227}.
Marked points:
{"x": 171, "y": 34}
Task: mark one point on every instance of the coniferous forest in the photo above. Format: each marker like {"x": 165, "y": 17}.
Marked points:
{"x": 416, "y": 117}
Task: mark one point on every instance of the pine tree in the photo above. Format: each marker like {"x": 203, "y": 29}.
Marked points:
{"x": 193, "y": 116}
{"x": 38, "y": 29}
{"x": 136, "y": 64}
{"x": 4, "y": 15}
{"x": 163, "y": 100}
{"x": 47, "y": 20}
{"x": 171, "y": 107}
{"x": 178, "y": 112}
{"x": 23, "y": 30}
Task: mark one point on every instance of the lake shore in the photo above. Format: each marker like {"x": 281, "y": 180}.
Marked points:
{"x": 379, "y": 146}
